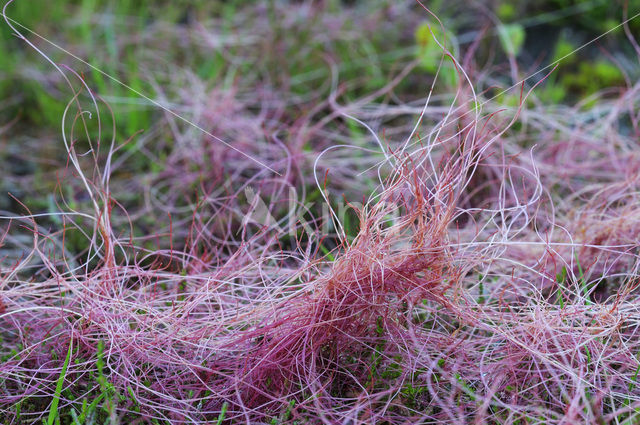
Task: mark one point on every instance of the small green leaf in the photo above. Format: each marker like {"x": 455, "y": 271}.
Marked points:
{"x": 506, "y": 11}
{"x": 511, "y": 38}
{"x": 564, "y": 51}
{"x": 430, "y": 53}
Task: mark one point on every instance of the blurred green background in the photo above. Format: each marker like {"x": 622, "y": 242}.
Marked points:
{"x": 289, "y": 50}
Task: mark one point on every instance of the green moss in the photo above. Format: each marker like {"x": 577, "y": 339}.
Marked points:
{"x": 593, "y": 76}
{"x": 553, "y": 93}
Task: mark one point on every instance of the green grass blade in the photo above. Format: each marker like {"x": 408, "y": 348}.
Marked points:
{"x": 223, "y": 413}
{"x": 53, "y": 411}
